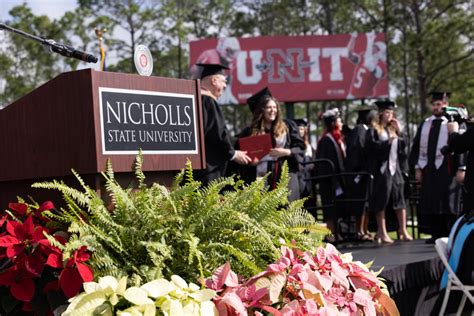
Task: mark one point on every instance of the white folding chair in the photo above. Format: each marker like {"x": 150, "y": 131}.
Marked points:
{"x": 454, "y": 284}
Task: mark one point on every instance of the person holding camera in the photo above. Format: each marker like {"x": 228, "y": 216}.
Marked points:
{"x": 434, "y": 171}
{"x": 459, "y": 144}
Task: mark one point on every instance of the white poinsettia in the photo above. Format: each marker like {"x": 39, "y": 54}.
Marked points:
{"x": 97, "y": 298}
{"x": 180, "y": 298}
{"x": 172, "y": 298}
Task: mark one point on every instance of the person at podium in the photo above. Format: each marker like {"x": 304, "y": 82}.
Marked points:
{"x": 219, "y": 148}
{"x": 286, "y": 144}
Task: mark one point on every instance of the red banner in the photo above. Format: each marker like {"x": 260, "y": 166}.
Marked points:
{"x": 299, "y": 68}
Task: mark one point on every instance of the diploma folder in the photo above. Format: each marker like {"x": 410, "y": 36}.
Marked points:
{"x": 256, "y": 146}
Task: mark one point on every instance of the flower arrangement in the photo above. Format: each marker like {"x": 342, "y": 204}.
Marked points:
{"x": 112, "y": 297}
{"x": 32, "y": 270}
{"x": 301, "y": 283}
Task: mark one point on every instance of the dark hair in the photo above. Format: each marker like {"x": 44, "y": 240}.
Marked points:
{"x": 258, "y": 125}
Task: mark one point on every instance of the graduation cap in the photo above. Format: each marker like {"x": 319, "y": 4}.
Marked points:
{"x": 255, "y": 100}
{"x": 330, "y": 115}
{"x": 383, "y": 105}
{"x": 212, "y": 69}
{"x": 300, "y": 122}
{"x": 439, "y": 96}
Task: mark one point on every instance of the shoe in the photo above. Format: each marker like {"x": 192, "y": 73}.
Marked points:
{"x": 405, "y": 237}
{"x": 364, "y": 237}
{"x": 430, "y": 241}
{"x": 386, "y": 240}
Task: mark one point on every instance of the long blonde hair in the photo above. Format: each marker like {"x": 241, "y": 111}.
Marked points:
{"x": 258, "y": 122}
{"x": 379, "y": 127}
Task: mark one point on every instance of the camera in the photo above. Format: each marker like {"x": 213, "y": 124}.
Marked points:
{"x": 457, "y": 113}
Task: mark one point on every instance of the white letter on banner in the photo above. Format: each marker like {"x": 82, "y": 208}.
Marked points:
{"x": 315, "y": 70}
{"x": 256, "y": 58}
{"x": 336, "y": 53}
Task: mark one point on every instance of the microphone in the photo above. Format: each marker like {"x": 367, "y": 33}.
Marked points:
{"x": 52, "y": 46}
{"x": 70, "y": 51}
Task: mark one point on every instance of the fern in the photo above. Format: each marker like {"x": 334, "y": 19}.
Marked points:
{"x": 190, "y": 230}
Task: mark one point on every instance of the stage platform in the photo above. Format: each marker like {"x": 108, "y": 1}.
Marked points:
{"x": 409, "y": 268}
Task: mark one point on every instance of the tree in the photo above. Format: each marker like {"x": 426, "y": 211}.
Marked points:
{"x": 25, "y": 62}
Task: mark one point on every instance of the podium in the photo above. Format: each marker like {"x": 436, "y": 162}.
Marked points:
{"x": 80, "y": 119}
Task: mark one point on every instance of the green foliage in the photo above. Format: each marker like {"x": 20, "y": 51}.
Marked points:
{"x": 151, "y": 232}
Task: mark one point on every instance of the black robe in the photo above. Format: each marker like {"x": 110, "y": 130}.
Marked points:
{"x": 297, "y": 146}
{"x": 356, "y": 161}
{"x": 330, "y": 188}
{"x": 218, "y": 143}
{"x": 387, "y": 188}
{"x": 461, "y": 143}
{"x": 434, "y": 190}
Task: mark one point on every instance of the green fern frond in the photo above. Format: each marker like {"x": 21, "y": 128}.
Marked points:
{"x": 138, "y": 169}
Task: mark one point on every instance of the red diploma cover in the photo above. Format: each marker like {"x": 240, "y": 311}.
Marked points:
{"x": 256, "y": 146}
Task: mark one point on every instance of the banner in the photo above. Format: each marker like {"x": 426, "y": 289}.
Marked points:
{"x": 298, "y": 68}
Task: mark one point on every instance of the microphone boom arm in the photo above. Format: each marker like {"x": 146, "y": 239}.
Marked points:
{"x": 61, "y": 49}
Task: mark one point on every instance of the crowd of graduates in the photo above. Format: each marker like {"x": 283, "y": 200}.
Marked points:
{"x": 356, "y": 172}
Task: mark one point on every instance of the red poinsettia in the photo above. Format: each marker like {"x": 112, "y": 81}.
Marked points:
{"x": 76, "y": 273}
{"x": 20, "y": 282}
{"x": 19, "y": 208}
{"x": 29, "y": 257}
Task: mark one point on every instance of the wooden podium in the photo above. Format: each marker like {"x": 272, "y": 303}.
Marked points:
{"x": 80, "y": 119}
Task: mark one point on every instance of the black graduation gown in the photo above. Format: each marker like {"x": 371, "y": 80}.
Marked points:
{"x": 219, "y": 148}
{"x": 297, "y": 146}
{"x": 356, "y": 161}
{"x": 461, "y": 143}
{"x": 434, "y": 190}
{"x": 328, "y": 187}
{"x": 305, "y": 173}
{"x": 386, "y": 188}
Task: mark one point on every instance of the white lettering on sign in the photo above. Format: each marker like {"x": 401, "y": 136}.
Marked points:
{"x": 288, "y": 65}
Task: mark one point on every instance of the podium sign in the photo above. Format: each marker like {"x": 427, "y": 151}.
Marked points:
{"x": 155, "y": 122}
{"x": 82, "y": 119}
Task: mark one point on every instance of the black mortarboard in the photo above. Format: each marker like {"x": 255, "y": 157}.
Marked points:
{"x": 211, "y": 69}
{"x": 255, "y": 100}
{"x": 300, "y": 122}
{"x": 383, "y": 105}
{"x": 439, "y": 96}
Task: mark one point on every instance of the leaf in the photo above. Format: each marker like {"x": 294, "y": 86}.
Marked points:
{"x": 203, "y": 295}
{"x": 158, "y": 288}
{"x": 220, "y": 276}
{"x": 277, "y": 282}
{"x": 388, "y": 304}
{"x": 233, "y": 300}
{"x": 84, "y": 304}
{"x": 137, "y": 296}
{"x": 179, "y": 282}
{"x": 315, "y": 296}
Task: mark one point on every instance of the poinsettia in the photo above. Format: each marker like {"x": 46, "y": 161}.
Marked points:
{"x": 31, "y": 265}
{"x": 301, "y": 283}
{"x": 76, "y": 273}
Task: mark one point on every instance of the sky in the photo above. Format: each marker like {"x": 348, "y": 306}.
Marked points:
{"x": 52, "y": 8}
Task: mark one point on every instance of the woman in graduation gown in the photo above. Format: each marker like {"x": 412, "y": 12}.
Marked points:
{"x": 331, "y": 146}
{"x": 387, "y": 161}
{"x": 287, "y": 145}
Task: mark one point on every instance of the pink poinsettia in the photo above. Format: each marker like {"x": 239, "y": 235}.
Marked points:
{"x": 301, "y": 283}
